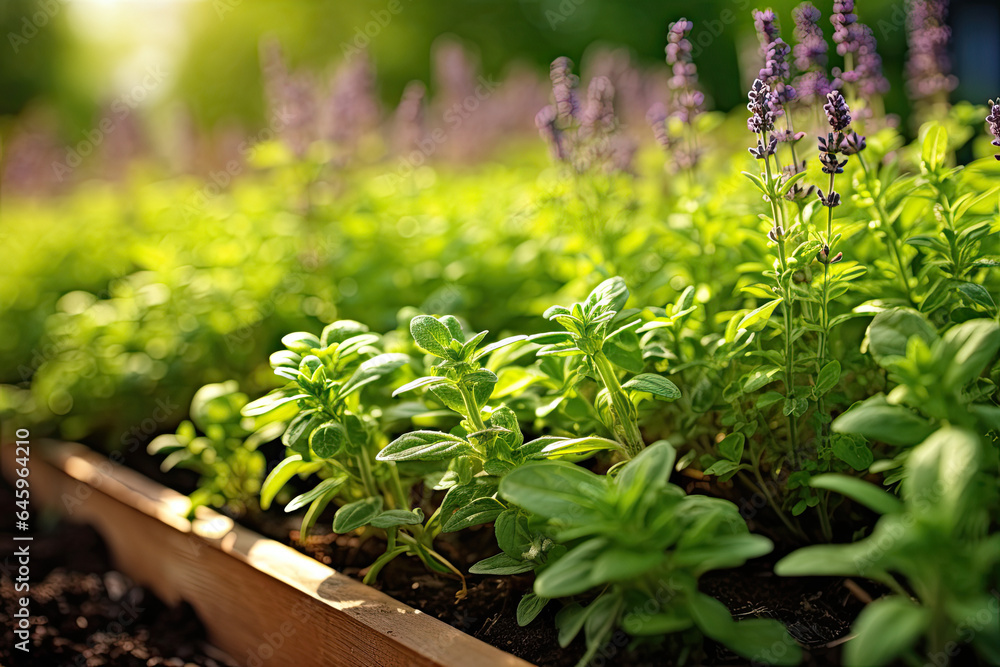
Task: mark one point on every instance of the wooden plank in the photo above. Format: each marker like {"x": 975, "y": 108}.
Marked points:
{"x": 262, "y": 602}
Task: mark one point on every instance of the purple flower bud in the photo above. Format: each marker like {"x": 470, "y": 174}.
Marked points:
{"x": 928, "y": 68}
{"x": 831, "y": 201}
{"x": 811, "y": 48}
{"x": 838, "y": 114}
{"x": 823, "y": 256}
{"x": 548, "y": 128}
{"x": 760, "y": 107}
{"x": 994, "y": 123}
{"x": 599, "y": 113}
{"x": 836, "y": 258}
{"x": 564, "y": 84}
{"x": 766, "y": 24}
{"x": 775, "y": 233}
{"x": 852, "y": 144}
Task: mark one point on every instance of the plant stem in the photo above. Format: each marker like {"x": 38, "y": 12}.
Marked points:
{"x": 889, "y": 231}
{"x": 471, "y": 407}
{"x": 365, "y": 466}
{"x": 625, "y": 427}
{"x": 784, "y": 283}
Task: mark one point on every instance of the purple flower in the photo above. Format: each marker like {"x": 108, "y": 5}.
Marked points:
{"x": 657, "y": 119}
{"x": 548, "y": 128}
{"x": 766, "y": 24}
{"x": 838, "y": 114}
{"x": 599, "y": 113}
{"x": 928, "y": 68}
{"x": 852, "y": 144}
{"x": 994, "y": 121}
{"x": 564, "y": 84}
{"x": 688, "y": 100}
{"x": 811, "y": 47}
{"x": 845, "y": 30}
{"x": 868, "y": 67}
{"x": 761, "y": 110}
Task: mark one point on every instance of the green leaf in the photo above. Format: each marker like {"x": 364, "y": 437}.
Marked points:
{"x": 554, "y": 489}
{"x": 529, "y": 607}
{"x": 761, "y": 378}
{"x": 761, "y": 640}
{"x": 978, "y": 295}
{"x": 610, "y": 295}
{"x": 475, "y": 513}
{"x": 391, "y": 518}
{"x": 321, "y": 489}
{"x": 731, "y": 447}
{"x": 569, "y": 621}
{"x": 270, "y": 402}
{"x": 621, "y": 564}
{"x": 502, "y": 564}
{"x": 564, "y": 446}
{"x": 968, "y": 348}
{"x": 852, "y": 450}
{"x": 657, "y": 385}
{"x": 341, "y": 330}
{"x": 425, "y": 446}
{"x": 454, "y": 327}
{"x": 573, "y": 573}
{"x": 301, "y": 342}
{"x": 943, "y": 467}
{"x": 840, "y": 560}
{"x": 354, "y": 515}
{"x": 877, "y": 420}
{"x": 278, "y": 477}
{"x": 296, "y": 436}
{"x": 328, "y": 440}
{"x": 371, "y": 370}
{"x": 650, "y": 469}
{"x": 425, "y": 381}
{"x": 432, "y": 336}
{"x": 493, "y": 347}
{"x": 934, "y": 149}
{"x": 757, "y": 318}
{"x": 884, "y": 630}
{"x": 624, "y": 351}
{"x": 891, "y": 330}
{"x": 867, "y": 494}
{"x": 828, "y": 378}
{"x": 640, "y": 624}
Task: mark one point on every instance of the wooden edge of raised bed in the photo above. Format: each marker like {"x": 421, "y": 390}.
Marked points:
{"x": 262, "y": 602}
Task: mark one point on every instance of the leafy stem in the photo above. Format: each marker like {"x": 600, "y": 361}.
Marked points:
{"x": 622, "y": 410}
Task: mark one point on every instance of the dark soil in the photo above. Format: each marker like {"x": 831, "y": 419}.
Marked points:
{"x": 84, "y": 612}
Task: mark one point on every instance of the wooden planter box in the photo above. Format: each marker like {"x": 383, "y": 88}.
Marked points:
{"x": 261, "y": 601}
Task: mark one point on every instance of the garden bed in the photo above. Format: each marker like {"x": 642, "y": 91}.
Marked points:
{"x": 259, "y": 600}
{"x": 256, "y": 595}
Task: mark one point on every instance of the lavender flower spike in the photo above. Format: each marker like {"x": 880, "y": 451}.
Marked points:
{"x": 810, "y": 48}
{"x": 994, "y": 120}
{"x": 846, "y": 34}
{"x": 838, "y": 114}
{"x": 564, "y": 84}
{"x": 928, "y": 66}
{"x": 548, "y": 128}
{"x": 766, "y": 24}
{"x": 760, "y": 108}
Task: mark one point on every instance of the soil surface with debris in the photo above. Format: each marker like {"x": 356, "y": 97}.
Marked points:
{"x": 84, "y": 612}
